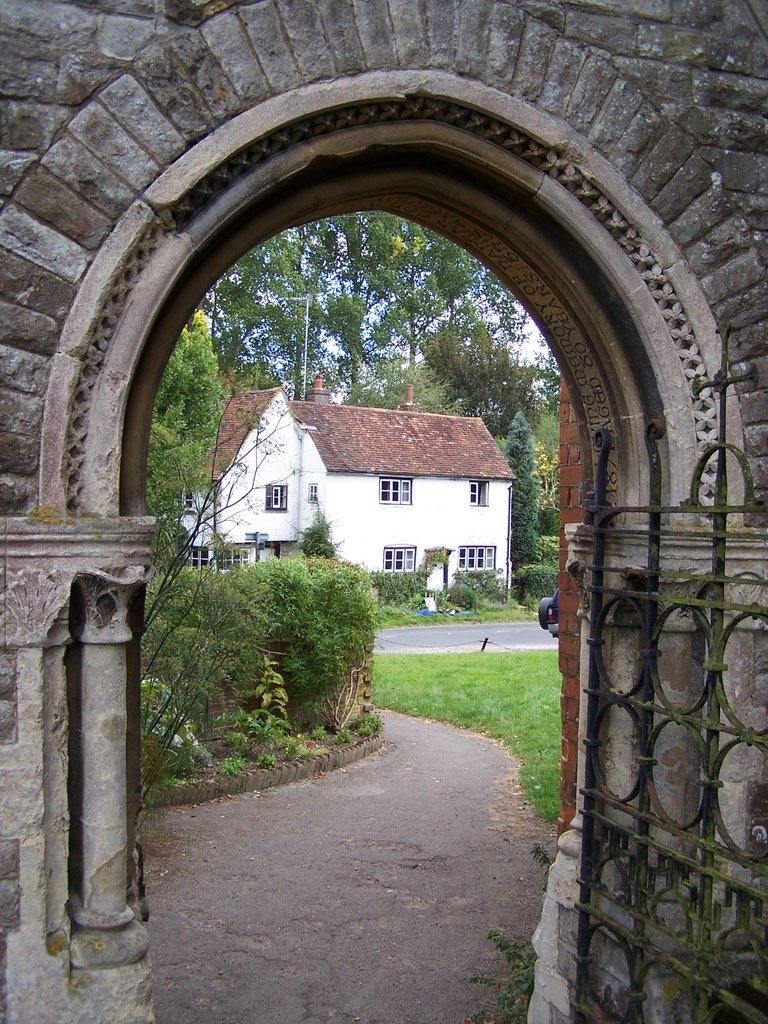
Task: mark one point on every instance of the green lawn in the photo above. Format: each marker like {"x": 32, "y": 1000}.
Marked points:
{"x": 513, "y": 697}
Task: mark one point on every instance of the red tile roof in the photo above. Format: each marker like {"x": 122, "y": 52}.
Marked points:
{"x": 357, "y": 439}
{"x": 241, "y": 416}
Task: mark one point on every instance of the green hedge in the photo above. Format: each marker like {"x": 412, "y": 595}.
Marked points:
{"x": 400, "y": 588}
{"x": 317, "y": 615}
{"x": 540, "y": 579}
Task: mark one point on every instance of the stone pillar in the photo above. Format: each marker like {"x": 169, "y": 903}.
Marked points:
{"x": 106, "y": 930}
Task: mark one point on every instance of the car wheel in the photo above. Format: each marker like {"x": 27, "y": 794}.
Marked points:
{"x": 544, "y": 604}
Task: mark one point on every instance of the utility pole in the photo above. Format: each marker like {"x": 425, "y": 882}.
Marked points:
{"x": 306, "y": 299}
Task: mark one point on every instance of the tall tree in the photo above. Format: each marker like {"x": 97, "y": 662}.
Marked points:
{"x": 525, "y": 505}
{"x": 485, "y": 376}
{"x": 188, "y": 405}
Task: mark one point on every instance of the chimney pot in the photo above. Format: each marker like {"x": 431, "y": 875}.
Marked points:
{"x": 409, "y": 405}
{"x": 318, "y": 393}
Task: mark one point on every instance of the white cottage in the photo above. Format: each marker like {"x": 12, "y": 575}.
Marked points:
{"x": 393, "y": 484}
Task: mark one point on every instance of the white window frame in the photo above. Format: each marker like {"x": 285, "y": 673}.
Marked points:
{"x": 395, "y": 490}
{"x": 401, "y": 558}
{"x": 199, "y": 557}
{"x": 277, "y": 498}
{"x": 478, "y": 493}
{"x": 188, "y": 502}
{"x": 238, "y": 554}
{"x": 312, "y": 494}
{"x": 474, "y": 557}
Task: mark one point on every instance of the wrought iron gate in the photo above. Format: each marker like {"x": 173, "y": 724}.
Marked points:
{"x": 673, "y": 912}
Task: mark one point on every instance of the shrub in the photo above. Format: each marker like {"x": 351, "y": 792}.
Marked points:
{"x": 487, "y": 583}
{"x": 316, "y": 540}
{"x": 400, "y": 588}
{"x": 266, "y": 761}
{"x": 461, "y": 595}
{"x": 548, "y": 549}
{"x": 343, "y": 737}
{"x": 317, "y": 615}
{"x": 367, "y": 725}
{"x": 536, "y": 581}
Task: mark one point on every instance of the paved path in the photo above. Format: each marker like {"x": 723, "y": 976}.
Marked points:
{"x": 463, "y": 637}
{"x": 365, "y": 895}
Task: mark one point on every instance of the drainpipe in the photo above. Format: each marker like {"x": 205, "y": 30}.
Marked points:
{"x": 510, "y": 505}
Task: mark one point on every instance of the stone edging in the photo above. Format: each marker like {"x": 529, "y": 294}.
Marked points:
{"x": 266, "y": 778}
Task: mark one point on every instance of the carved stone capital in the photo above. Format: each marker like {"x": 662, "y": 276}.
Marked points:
{"x": 30, "y": 602}
{"x": 102, "y": 603}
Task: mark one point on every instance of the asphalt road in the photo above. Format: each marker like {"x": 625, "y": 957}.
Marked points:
{"x": 461, "y": 637}
{"x": 364, "y": 895}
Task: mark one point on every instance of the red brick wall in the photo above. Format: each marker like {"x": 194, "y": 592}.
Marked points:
{"x": 571, "y": 477}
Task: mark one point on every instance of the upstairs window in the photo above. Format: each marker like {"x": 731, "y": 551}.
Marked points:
{"x": 277, "y": 498}
{"x": 475, "y": 557}
{"x": 478, "y": 492}
{"x": 188, "y": 501}
{"x": 394, "y": 490}
{"x": 399, "y": 559}
{"x": 312, "y": 494}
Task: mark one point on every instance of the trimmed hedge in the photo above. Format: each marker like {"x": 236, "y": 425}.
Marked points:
{"x": 400, "y": 588}
{"x": 540, "y": 579}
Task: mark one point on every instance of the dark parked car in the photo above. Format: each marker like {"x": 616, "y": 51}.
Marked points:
{"x": 549, "y": 613}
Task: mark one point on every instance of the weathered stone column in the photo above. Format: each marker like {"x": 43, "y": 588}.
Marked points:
{"x": 106, "y": 930}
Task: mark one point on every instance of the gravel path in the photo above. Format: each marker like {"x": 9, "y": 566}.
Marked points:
{"x": 365, "y": 895}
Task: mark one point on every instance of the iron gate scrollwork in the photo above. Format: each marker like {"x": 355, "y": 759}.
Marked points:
{"x": 673, "y": 911}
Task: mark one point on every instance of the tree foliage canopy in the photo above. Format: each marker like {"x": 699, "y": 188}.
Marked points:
{"x": 373, "y": 301}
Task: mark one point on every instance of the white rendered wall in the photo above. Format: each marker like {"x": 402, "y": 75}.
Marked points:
{"x": 270, "y": 455}
{"x": 439, "y": 515}
{"x": 281, "y": 452}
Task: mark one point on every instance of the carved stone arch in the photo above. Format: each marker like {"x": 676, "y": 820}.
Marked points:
{"x": 549, "y": 216}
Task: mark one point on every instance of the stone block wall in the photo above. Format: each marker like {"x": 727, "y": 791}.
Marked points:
{"x": 123, "y": 120}
{"x": 97, "y": 98}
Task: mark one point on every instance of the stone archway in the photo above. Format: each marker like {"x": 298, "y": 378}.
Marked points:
{"x": 545, "y": 152}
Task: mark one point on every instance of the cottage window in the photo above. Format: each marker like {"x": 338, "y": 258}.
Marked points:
{"x": 478, "y": 492}
{"x": 277, "y": 498}
{"x": 394, "y": 491}
{"x": 399, "y": 559}
{"x": 199, "y": 557}
{"x": 474, "y": 557}
{"x": 312, "y": 494}
{"x": 230, "y": 557}
{"x": 188, "y": 501}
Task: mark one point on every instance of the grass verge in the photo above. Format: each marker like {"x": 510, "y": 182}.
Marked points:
{"x": 515, "y": 698}
{"x": 390, "y": 617}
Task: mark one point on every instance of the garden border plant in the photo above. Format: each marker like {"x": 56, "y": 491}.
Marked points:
{"x": 286, "y": 639}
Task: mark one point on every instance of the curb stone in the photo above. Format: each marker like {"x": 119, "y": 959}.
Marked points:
{"x": 266, "y": 778}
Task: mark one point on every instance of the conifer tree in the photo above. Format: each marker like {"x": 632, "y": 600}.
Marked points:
{"x": 525, "y": 504}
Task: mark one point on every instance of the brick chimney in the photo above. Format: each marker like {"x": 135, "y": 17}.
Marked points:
{"x": 409, "y": 405}
{"x": 317, "y": 393}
